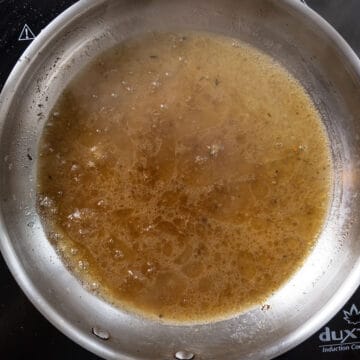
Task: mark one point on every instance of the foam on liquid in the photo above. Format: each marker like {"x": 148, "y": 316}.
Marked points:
{"x": 186, "y": 175}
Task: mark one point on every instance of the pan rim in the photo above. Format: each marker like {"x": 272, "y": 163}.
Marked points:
{"x": 69, "y": 329}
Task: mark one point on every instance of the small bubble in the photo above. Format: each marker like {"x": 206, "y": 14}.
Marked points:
{"x": 94, "y": 286}
{"x": 83, "y": 265}
{"x": 75, "y": 215}
{"x": 101, "y": 202}
{"x": 148, "y": 228}
{"x": 136, "y": 275}
{"x": 150, "y": 267}
{"x": 30, "y": 224}
{"x": 214, "y": 149}
{"x": 200, "y": 159}
{"x": 118, "y": 253}
{"x": 46, "y": 202}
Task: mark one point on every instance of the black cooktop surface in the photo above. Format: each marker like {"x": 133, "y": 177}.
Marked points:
{"x": 24, "y": 332}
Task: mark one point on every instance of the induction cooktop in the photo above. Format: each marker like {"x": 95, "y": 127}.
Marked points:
{"x": 24, "y": 332}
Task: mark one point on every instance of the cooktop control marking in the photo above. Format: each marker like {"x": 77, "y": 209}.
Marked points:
{"x": 26, "y": 34}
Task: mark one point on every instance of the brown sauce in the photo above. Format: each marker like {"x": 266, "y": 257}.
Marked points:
{"x": 186, "y": 176}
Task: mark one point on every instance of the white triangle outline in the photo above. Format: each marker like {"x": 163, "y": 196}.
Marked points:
{"x": 26, "y": 34}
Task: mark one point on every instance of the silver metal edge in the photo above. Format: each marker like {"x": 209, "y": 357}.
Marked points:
{"x": 84, "y": 339}
{"x": 14, "y": 79}
{"x": 352, "y": 282}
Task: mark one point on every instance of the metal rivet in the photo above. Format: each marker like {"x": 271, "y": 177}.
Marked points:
{"x": 101, "y": 334}
{"x": 184, "y": 355}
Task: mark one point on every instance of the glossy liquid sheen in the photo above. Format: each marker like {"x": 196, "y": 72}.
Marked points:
{"x": 184, "y": 176}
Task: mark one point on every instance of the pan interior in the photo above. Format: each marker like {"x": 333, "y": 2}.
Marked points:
{"x": 185, "y": 176}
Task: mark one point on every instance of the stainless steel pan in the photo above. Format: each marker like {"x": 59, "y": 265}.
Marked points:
{"x": 291, "y": 33}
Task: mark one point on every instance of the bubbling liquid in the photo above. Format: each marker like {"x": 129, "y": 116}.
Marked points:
{"x": 185, "y": 176}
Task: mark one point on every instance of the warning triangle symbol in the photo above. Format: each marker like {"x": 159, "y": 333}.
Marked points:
{"x": 26, "y": 34}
